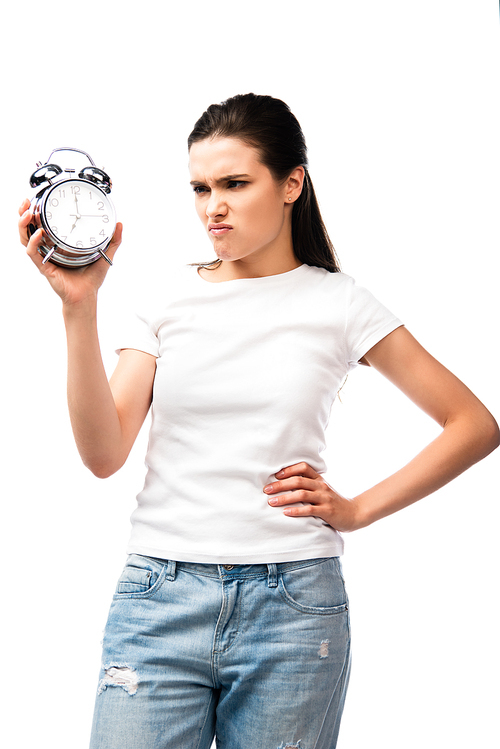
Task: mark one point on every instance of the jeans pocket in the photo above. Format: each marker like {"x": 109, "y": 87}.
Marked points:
{"x": 141, "y": 577}
{"x": 317, "y": 588}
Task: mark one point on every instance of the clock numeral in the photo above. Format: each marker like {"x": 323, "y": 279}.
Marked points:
{"x": 54, "y": 202}
{"x": 63, "y": 238}
{"x": 75, "y": 189}
{"x": 79, "y": 245}
{"x": 93, "y": 241}
{"x": 55, "y": 230}
{"x": 91, "y": 195}
{"x": 48, "y": 215}
{"x": 100, "y": 205}
{"x": 105, "y": 219}
{"x": 62, "y": 193}
{"x": 102, "y": 233}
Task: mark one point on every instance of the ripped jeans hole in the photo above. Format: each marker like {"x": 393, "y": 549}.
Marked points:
{"x": 323, "y": 649}
{"x": 119, "y": 676}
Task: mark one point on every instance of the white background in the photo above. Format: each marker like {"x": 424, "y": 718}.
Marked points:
{"x": 399, "y": 103}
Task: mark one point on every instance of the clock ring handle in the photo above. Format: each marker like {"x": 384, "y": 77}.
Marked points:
{"x": 77, "y": 150}
{"x": 97, "y": 176}
{"x": 44, "y": 174}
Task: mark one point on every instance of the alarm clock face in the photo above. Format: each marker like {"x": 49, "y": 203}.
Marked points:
{"x": 78, "y": 214}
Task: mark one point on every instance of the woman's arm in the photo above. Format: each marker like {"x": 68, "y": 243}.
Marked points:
{"x": 469, "y": 434}
{"x": 106, "y": 417}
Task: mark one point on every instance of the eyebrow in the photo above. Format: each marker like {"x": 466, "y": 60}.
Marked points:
{"x": 227, "y": 178}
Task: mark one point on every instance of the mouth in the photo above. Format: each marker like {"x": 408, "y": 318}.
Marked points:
{"x": 216, "y": 230}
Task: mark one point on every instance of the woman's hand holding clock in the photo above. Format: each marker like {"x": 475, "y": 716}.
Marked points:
{"x": 74, "y": 285}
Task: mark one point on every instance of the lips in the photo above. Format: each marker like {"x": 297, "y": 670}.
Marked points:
{"x": 217, "y": 230}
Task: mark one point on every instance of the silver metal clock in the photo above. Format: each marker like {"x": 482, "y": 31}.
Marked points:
{"x": 74, "y": 211}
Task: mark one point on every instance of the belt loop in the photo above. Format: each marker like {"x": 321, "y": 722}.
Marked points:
{"x": 272, "y": 577}
{"x": 171, "y": 566}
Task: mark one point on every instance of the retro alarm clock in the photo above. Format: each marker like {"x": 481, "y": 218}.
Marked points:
{"x": 74, "y": 211}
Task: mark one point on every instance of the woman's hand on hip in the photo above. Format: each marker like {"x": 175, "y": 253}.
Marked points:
{"x": 311, "y": 494}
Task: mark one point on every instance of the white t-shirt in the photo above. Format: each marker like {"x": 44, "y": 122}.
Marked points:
{"x": 247, "y": 372}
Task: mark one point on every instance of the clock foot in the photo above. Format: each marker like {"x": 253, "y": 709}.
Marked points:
{"x": 103, "y": 254}
{"x": 48, "y": 255}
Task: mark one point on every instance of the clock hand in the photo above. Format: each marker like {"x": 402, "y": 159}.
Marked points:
{"x": 77, "y": 216}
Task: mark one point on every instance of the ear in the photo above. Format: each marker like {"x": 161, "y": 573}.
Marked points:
{"x": 293, "y": 185}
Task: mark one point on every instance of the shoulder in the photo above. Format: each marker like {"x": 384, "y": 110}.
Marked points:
{"x": 159, "y": 293}
{"x": 325, "y": 277}
{"x": 337, "y": 288}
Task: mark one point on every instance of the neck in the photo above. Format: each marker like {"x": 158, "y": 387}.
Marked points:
{"x": 230, "y": 270}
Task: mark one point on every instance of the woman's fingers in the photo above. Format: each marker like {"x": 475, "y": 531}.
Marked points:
{"x": 115, "y": 242}
{"x": 32, "y": 249}
{"x": 299, "y": 485}
{"x": 24, "y": 206}
{"x": 294, "y": 478}
{"x": 298, "y": 469}
{"x": 25, "y": 218}
{"x": 300, "y": 482}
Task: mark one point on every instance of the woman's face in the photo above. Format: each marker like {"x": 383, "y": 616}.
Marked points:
{"x": 246, "y": 213}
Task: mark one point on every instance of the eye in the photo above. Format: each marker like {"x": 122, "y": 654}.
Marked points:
{"x": 199, "y": 189}
{"x": 236, "y": 183}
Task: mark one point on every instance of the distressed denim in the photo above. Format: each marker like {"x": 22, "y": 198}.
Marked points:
{"x": 257, "y": 655}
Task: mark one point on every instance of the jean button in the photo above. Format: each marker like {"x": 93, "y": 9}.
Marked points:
{"x": 228, "y": 566}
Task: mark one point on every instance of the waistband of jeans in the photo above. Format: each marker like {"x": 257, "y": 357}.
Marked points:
{"x": 233, "y": 571}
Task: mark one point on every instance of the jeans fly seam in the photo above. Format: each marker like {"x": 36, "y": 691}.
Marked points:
{"x": 222, "y": 624}
{"x": 215, "y": 653}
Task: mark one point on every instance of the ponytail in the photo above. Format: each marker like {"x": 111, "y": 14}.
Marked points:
{"x": 311, "y": 243}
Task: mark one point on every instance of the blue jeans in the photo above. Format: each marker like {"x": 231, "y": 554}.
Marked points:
{"x": 257, "y": 655}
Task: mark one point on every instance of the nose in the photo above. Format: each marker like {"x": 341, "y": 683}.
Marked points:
{"x": 216, "y": 205}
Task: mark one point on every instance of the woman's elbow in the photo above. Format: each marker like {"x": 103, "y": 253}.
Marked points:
{"x": 487, "y": 433}
{"x": 491, "y": 434}
{"x": 103, "y": 469}
{"x": 475, "y": 431}
{"x": 103, "y": 473}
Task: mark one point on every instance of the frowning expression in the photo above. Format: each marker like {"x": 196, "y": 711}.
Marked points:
{"x": 238, "y": 200}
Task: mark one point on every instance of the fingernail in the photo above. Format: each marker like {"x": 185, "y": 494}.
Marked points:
{"x": 280, "y": 473}
{"x": 268, "y": 488}
{"x": 273, "y": 501}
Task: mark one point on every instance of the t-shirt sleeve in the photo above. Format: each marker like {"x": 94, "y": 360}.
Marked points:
{"x": 139, "y": 332}
{"x": 367, "y": 322}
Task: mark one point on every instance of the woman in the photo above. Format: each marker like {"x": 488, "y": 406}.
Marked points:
{"x": 231, "y": 617}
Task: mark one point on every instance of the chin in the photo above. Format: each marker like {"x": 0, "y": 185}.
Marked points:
{"x": 224, "y": 255}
